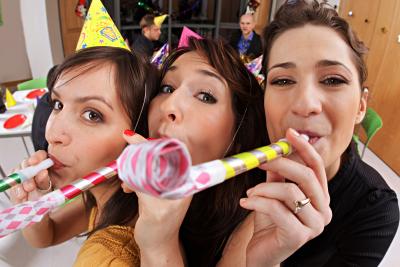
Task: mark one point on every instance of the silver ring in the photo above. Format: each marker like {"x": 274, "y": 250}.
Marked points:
{"x": 50, "y": 188}
{"x": 299, "y": 204}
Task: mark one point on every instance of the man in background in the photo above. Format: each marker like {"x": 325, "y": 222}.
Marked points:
{"x": 151, "y": 32}
{"x": 246, "y": 41}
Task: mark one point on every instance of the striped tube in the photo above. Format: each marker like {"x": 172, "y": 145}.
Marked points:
{"x": 245, "y": 161}
{"x": 27, "y": 213}
{"x": 96, "y": 177}
{"x": 208, "y": 174}
{"x": 10, "y": 181}
{"x": 24, "y": 174}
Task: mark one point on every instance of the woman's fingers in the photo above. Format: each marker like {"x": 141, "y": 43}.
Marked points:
{"x": 278, "y": 216}
{"x": 133, "y": 139}
{"x": 17, "y": 194}
{"x": 126, "y": 188}
{"x": 309, "y": 156}
{"x": 303, "y": 177}
{"x": 42, "y": 180}
{"x": 288, "y": 194}
{"x": 22, "y": 192}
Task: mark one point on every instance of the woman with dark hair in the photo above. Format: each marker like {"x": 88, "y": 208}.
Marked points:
{"x": 322, "y": 206}
{"x": 212, "y": 103}
{"x": 96, "y": 94}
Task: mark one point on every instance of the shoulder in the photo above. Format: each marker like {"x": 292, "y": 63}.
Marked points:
{"x": 236, "y": 35}
{"x": 114, "y": 245}
{"x": 256, "y": 36}
{"x": 365, "y": 201}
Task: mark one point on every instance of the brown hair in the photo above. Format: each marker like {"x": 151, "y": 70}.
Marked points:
{"x": 146, "y": 21}
{"x": 215, "y": 212}
{"x": 297, "y": 13}
{"x": 135, "y": 83}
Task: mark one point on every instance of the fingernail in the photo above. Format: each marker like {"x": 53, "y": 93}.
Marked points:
{"x": 294, "y": 132}
{"x": 305, "y": 137}
{"x": 18, "y": 192}
{"x": 129, "y": 132}
{"x": 151, "y": 138}
{"x": 243, "y": 201}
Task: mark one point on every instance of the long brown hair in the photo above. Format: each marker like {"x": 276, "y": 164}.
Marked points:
{"x": 297, "y": 13}
{"x": 215, "y": 213}
{"x": 135, "y": 83}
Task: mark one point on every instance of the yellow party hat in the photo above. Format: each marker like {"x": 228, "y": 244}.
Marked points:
{"x": 10, "y": 101}
{"x": 99, "y": 29}
{"x": 158, "y": 21}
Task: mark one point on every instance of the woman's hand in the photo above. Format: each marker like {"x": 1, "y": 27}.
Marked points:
{"x": 31, "y": 189}
{"x": 158, "y": 224}
{"x": 278, "y": 230}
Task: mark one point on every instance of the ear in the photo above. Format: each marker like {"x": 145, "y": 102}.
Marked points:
{"x": 362, "y": 106}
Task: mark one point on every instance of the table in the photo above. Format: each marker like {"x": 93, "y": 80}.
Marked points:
{"x": 24, "y": 106}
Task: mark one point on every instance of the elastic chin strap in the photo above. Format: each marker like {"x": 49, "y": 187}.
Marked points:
{"x": 142, "y": 108}
{"x": 236, "y": 132}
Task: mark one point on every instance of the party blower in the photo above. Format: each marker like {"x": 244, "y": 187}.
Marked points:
{"x": 160, "y": 168}
{"x": 24, "y": 174}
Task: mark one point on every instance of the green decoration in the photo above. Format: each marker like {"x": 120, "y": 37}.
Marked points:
{"x": 1, "y": 18}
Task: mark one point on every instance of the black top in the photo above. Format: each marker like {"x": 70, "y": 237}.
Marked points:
{"x": 40, "y": 117}
{"x": 142, "y": 45}
{"x": 364, "y": 222}
{"x": 255, "y": 48}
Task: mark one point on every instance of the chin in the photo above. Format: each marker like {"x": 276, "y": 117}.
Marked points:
{"x": 60, "y": 179}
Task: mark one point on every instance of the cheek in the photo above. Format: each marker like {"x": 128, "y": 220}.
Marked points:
{"x": 219, "y": 133}
{"x": 153, "y": 116}
{"x": 273, "y": 117}
{"x": 49, "y": 126}
{"x": 101, "y": 151}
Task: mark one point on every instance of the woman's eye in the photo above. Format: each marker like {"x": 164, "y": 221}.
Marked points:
{"x": 166, "y": 89}
{"x": 207, "y": 98}
{"x": 333, "y": 81}
{"x": 282, "y": 82}
{"x": 57, "y": 105}
{"x": 92, "y": 116}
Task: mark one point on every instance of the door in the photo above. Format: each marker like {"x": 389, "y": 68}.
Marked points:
{"x": 71, "y": 25}
{"x": 378, "y": 25}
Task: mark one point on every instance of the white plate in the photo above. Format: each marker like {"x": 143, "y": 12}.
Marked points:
{"x": 20, "y": 96}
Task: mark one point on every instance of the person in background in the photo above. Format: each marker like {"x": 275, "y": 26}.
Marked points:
{"x": 246, "y": 41}
{"x": 144, "y": 43}
{"x": 40, "y": 117}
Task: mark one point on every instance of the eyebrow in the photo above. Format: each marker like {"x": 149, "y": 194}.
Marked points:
{"x": 212, "y": 74}
{"x": 327, "y": 63}
{"x": 87, "y": 98}
{"x": 322, "y": 63}
{"x": 285, "y": 65}
{"x": 204, "y": 72}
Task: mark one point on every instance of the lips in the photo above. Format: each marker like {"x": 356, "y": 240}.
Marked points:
{"x": 57, "y": 164}
{"x": 314, "y": 137}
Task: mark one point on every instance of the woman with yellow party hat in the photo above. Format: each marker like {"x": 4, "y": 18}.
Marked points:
{"x": 96, "y": 94}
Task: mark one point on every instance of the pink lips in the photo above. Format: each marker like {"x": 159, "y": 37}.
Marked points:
{"x": 57, "y": 164}
{"x": 314, "y": 137}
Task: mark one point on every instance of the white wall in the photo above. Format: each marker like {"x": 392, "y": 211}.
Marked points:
{"x": 54, "y": 26}
{"x": 14, "y": 64}
{"x": 34, "y": 21}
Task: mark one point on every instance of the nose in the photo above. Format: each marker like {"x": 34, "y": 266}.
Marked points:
{"x": 171, "y": 107}
{"x": 57, "y": 132}
{"x": 307, "y": 101}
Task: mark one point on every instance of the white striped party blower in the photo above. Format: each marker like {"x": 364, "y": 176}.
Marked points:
{"x": 160, "y": 168}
